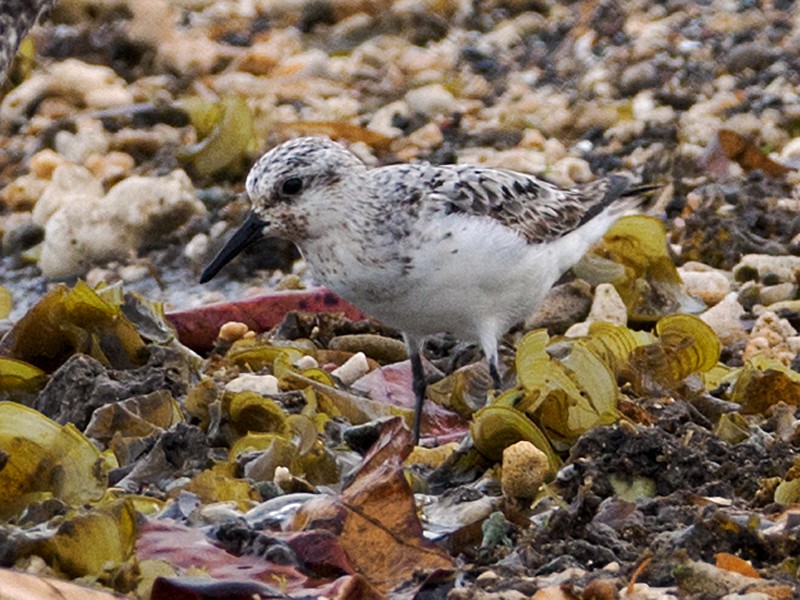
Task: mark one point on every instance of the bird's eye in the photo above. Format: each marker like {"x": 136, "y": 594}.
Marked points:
{"x": 292, "y": 186}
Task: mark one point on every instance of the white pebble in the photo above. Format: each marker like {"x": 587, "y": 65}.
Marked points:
{"x": 431, "y": 100}
{"x": 247, "y": 382}
{"x": 608, "y": 306}
{"x": 354, "y": 368}
{"x": 710, "y": 286}
{"x": 725, "y": 318}
{"x": 306, "y": 362}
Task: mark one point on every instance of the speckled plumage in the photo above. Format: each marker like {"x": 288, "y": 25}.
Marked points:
{"x": 16, "y": 19}
{"x": 426, "y": 248}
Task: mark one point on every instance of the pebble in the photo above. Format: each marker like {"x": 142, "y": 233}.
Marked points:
{"x": 431, "y": 100}
{"x": 772, "y": 337}
{"x": 725, "y": 318}
{"x": 638, "y": 77}
{"x": 306, "y": 362}
{"x": 710, "y": 286}
{"x": 383, "y": 349}
{"x": 783, "y": 267}
{"x": 564, "y": 305}
{"x": 524, "y": 470}
{"x": 261, "y": 384}
{"x": 569, "y": 171}
{"x": 354, "y": 368}
{"x": 23, "y": 193}
{"x": 70, "y": 185}
{"x": 197, "y": 248}
{"x": 86, "y": 228}
{"x": 94, "y": 86}
{"x": 22, "y": 236}
{"x": 232, "y": 331}
{"x": 44, "y": 162}
{"x": 608, "y": 306}
{"x": 89, "y": 139}
{"x": 749, "y": 55}
{"x": 771, "y": 294}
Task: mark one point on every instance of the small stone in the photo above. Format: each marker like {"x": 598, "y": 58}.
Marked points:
{"x": 725, "y": 318}
{"x": 384, "y": 350}
{"x": 749, "y": 55}
{"x": 90, "y": 139}
{"x": 637, "y": 77}
{"x": 524, "y": 470}
{"x": 196, "y": 249}
{"x": 773, "y": 337}
{"x": 354, "y": 368}
{"x": 261, "y": 384}
{"x": 601, "y": 588}
{"x": 70, "y": 184}
{"x": 431, "y": 100}
{"x": 111, "y": 166}
{"x": 487, "y": 577}
{"x": 710, "y": 286}
{"x": 306, "y": 362}
{"x": 23, "y": 193}
{"x": 44, "y": 162}
{"x": 85, "y": 228}
{"x": 564, "y": 305}
{"x": 569, "y": 171}
{"x": 608, "y": 306}
{"x": 783, "y": 267}
{"x": 22, "y": 237}
{"x": 131, "y": 273}
{"x": 232, "y": 331}
{"x": 770, "y": 294}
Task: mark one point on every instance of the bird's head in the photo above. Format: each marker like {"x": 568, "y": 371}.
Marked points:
{"x": 295, "y": 190}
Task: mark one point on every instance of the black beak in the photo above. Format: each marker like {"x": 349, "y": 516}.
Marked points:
{"x": 250, "y": 231}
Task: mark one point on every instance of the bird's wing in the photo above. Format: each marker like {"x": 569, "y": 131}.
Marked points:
{"x": 539, "y": 211}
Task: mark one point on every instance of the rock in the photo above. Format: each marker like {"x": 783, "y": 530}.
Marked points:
{"x": 44, "y": 162}
{"x": 638, "y": 77}
{"x": 773, "y": 337}
{"x": 260, "y": 384}
{"x": 90, "y": 139}
{"x": 750, "y": 55}
{"x": 570, "y": 170}
{"x": 20, "y": 238}
{"x": 783, "y": 267}
{"x": 232, "y": 331}
{"x": 95, "y": 87}
{"x": 725, "y": 319}
{"x": 71, "y": 185}
{"x": 88, "y": 228}
{"x": 710, "y": 286}
{"x": 608, "y": 306}
{"x": 770, "y": 294}
{"x": 23, "y": 193}
{"x": 383, "y": 349}
{"x": 354, "y": 368}
{"x": 306, "y": 362}
{"x": 431, "y": 100}
{"x": 564, "y": 305}
{"x": 524, "y": 470}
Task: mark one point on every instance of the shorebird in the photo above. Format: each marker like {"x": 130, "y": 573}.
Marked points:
{"x": 425, "y": 248}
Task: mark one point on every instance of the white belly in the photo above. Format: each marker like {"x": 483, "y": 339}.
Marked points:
{"x": 466, "y": 276}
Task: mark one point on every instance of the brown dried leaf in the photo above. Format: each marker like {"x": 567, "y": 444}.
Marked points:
{"x": 731, "y": 562}
{"x": 747, "y": 154}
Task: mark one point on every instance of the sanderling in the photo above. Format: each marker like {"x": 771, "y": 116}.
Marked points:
{"x": 425, "y": 248}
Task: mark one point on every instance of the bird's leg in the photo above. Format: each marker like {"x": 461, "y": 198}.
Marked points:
{"x": 418, "y": 383}
{"x": 495, "y": 373}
